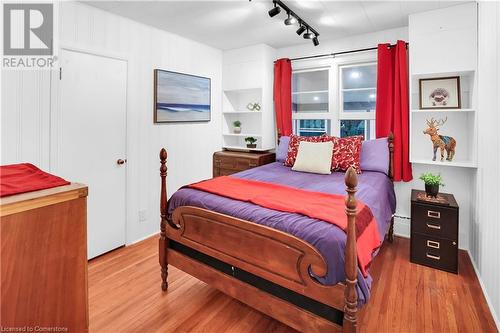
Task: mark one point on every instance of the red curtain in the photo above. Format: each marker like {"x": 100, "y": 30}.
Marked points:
{"x": 393, "y": 105}
{"x": 283, "y": 96}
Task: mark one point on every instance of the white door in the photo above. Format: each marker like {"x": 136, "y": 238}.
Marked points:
{"x": 93, "y": 95}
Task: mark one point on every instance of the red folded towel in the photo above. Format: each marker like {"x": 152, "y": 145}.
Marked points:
{"x": 25, "y": 177}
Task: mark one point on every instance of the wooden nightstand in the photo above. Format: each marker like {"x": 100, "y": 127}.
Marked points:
{"x": 229, "y": 162}
{"x": 434, "y": 233}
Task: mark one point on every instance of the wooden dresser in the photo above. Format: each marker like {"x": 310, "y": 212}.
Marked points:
{"x": 44, "y": 260}
{"x": 229, "y": 162}
{"x": 434, "y": 233}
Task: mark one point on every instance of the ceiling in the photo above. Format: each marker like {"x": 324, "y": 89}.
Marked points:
{"x": 237, "y": 23}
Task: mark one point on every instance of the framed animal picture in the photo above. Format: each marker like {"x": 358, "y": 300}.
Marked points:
{"x": 440, "y": 93}
{"x": 180, "y": 97}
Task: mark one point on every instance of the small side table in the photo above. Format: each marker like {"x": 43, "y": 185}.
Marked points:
{"x": 434, "y": 233}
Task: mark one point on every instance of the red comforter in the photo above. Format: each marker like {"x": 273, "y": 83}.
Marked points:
{"x": 323, "y": 206}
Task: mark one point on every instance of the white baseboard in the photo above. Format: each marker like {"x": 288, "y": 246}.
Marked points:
{"x": 142, "y": 238}
{"x": 485, "y": 293}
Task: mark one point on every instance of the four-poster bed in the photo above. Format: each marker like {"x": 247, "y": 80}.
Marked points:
{"x": 268, "y": 269}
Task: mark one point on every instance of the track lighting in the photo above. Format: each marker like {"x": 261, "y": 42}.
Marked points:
{"x": 294, "y": 18}
{"x": 290, "y": 20}
{"x": 308, "y": 35}
{"x": 300, "y": 30}
{"x": 275, "y": 11}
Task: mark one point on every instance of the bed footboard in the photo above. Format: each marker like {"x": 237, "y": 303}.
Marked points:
{"x": 243, "y": 247}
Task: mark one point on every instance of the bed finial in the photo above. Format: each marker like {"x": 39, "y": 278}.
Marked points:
{"x": 351, "y": 261}
{"x": 163, "y": 242}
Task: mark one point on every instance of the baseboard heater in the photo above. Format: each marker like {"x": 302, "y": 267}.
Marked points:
{"x": 327, "y": 312}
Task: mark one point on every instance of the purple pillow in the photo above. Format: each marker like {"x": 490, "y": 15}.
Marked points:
{"x": 282, "y": 150}
{"x": 375, "y": 155}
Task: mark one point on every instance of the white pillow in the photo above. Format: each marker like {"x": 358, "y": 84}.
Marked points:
{"x": 315, "y": 157}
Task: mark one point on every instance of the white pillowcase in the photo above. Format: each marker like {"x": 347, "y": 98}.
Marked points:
{"x": 314, "y": 157}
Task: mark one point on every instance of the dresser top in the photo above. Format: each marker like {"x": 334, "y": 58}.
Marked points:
{"x": 242, "y": 154}
{"x": 30, "y": 200}
{"x": 449, "y": 197}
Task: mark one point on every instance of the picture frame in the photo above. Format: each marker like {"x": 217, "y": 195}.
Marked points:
{"x": 181, "y": 97}
{"x": 440, "y": 93}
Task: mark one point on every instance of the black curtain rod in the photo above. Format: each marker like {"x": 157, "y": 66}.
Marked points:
{"x": 340, "y": 53}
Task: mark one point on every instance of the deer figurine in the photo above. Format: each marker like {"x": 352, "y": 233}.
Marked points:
{"x": 440, "y": 141}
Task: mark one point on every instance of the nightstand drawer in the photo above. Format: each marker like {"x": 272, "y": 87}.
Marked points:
{"x": 434, "y": 252}
{"x": 434, "y": 220}
{"x": 225, "y": 163}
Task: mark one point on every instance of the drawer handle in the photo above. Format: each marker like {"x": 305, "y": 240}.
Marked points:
{"x": 433, "y": 226}
{"x": 433, "y": 214}
{"x": 433, "y": 256}
{"x": 433, "y": 244}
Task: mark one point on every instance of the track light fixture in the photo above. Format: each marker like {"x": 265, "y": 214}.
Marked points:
{"x": 308, "y": 35}
{"x": 275, "y": 11}
{"x": 300, "y": 30}
{"x": 290, "y": 20}
{"x": 294, "y": 18}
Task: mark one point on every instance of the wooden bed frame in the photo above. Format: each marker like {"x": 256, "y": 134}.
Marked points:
{"x": 265, "y": 268}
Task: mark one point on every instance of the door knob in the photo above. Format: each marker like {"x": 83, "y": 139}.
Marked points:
{"x": 120, "y": 161}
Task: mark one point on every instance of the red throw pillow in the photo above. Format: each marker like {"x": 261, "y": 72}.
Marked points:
{"x": 293, "y": 147}
{"x": 346, "y": 153}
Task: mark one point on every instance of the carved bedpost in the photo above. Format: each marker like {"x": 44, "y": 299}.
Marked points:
{"x": 390, "y": 234}
{"x": 351, "y": 258}
{"x": 163, "y": 242}
{"x": 391, "y": 155}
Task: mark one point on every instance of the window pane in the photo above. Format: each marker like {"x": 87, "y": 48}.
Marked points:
{"x": 312, "y": 127}
{"x": 310, "y": 81}
{"x": 356, "y": 77}
{"x": 310, "y": 102}
{"x": 359, "y": 100}
{"x": 366, "y": 128}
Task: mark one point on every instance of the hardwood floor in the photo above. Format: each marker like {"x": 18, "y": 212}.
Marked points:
{"x": 125, "y": 296}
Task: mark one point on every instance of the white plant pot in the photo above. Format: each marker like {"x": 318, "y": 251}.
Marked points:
{"x": 237, "y": 130}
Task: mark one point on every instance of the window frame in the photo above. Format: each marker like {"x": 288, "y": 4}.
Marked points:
{"x": 334, "y": 65}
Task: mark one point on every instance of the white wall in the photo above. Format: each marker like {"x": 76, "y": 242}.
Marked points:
{"x": 485, "y": 229}
{"x": 26, "y": 107}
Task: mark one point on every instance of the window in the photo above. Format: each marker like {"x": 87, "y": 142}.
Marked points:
{"x": 310, "y": 91}
{"x": 311, "y": 127}
{"x": 336, "y": 97}
{"x": 358, "y": 91}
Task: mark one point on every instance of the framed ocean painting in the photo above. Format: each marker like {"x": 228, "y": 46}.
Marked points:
{"x": 180, "y": 97}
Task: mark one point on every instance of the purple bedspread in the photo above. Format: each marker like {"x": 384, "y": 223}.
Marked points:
{"x": 374, "y": 189}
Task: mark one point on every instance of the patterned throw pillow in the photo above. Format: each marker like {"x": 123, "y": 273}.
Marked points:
{"x": 346, "y": 153}
{"x": 293, "y": 147}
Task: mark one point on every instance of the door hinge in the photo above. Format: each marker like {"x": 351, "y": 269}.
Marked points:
{"x": 60, "y": 73}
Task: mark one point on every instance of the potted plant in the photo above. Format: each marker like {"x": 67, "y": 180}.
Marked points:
{"x": 251, "y": 142}
{"x": 237, "y": 127}
{"x": 432, "y": 183}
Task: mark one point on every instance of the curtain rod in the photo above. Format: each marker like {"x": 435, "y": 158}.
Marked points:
{"x": 340, "y": 53}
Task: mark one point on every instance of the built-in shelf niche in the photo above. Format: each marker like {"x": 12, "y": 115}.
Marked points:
{"x": 459, "y": 124}
{"x": 467, "y": 80}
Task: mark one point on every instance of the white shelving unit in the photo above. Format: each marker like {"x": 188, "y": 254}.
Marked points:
{"x": 248, "y": 78}
{"x": 436, "y": 52}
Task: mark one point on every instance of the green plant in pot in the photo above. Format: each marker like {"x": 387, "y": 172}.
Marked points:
{"x": 251, "y": 142}
{"x": 237, "y": 127}
{"x": 432, "y": 183}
